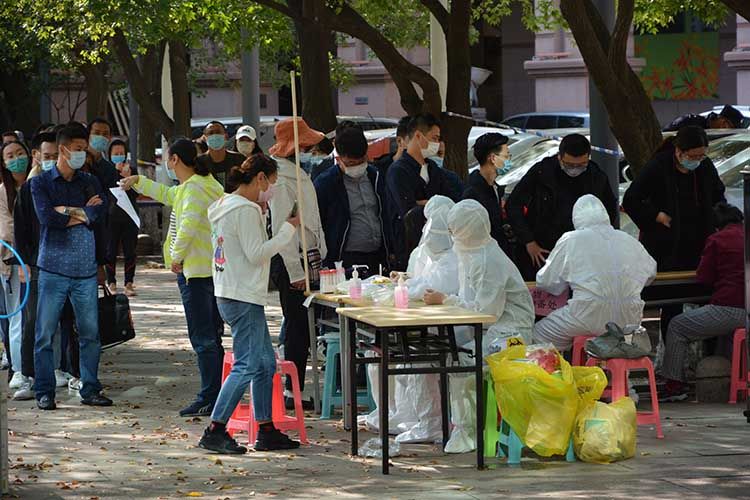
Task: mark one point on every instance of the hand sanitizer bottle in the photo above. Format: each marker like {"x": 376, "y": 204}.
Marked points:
{"x": 355, "y": 285}
{"x": 401, "y": 294}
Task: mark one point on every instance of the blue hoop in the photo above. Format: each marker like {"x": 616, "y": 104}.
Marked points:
{"x": 28, "y": 279}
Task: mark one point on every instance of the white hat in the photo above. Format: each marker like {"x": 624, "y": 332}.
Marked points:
{"x": 246, "y": 131}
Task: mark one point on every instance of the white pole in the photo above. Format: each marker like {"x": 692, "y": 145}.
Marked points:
{"x": 299, "y": 182}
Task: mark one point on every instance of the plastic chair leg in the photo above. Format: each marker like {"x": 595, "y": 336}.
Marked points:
{"x": 654, "y": 401}
{"x": 570, "y": 456}
{"x": 491, "y": 432}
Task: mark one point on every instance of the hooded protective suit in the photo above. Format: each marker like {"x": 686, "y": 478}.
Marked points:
{"x": 606, "y": 269}
{"x": 432, "y": 265}
{"x": 489, "y": 283}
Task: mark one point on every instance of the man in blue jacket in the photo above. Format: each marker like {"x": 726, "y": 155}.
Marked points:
{"x": 350, "y": 195}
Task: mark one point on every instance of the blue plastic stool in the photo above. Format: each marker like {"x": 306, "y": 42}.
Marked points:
{"x": 333, "y": 397}
{"x": 515, "y": 446}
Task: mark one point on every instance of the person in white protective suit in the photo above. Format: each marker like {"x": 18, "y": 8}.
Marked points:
{"x": 606, "y": 269}
{"x": 489, "y": 283}
{"x": 432, "y": 264}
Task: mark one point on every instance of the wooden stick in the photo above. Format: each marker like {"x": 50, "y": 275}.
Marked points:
{"x": 300, "y": 210}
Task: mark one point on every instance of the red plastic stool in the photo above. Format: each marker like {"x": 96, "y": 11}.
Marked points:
{"x": 738, "y": 383}
{"x": 618, "y": 369}
{"x": 579, "y": 349}
{"x": 242, "y": 418}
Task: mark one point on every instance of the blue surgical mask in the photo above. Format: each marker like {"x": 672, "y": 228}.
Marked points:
{"x": 317, "y": 160}
{"x": 99, "y": 143}
{"x": 305, "y": 157}
{"x": 505, "y": 168}
{"x": 437, "y": 160}
{"x": 215, "y": 141}
{"x": 118, "y": 159}
{"x": 48, "y": 164}
{"x": 76, "y": 159}
{"x": 17, "y": 165}
{"x": 690, "y": 164}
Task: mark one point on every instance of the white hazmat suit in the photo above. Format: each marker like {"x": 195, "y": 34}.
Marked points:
{"x": 489, "y": 283}
{"x": 606, "y": 270}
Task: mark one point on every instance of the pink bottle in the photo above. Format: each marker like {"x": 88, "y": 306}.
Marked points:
{"x": 401, "y": 294}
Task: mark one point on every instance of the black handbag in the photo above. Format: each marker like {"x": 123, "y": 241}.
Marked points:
{"x": 115, "y": 320}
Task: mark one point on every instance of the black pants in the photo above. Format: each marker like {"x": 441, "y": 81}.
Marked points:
{"x": 126, "y": 232}
{"x": 29, "y": 326}
{"x": 297, "y": 336}
{"x": 373, "y": 260}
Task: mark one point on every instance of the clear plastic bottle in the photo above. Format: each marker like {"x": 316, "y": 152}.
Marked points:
{"x": 355, "y": 285}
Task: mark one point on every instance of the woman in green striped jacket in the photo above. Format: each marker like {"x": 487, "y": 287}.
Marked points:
{"x": 188, "y": 252}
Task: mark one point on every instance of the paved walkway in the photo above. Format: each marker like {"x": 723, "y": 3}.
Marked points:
{"x": 140, "y": 448}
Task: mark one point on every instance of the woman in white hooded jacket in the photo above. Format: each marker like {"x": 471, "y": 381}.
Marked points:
{"x": 241, "y": 265}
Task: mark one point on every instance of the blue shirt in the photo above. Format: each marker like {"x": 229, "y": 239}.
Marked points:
{"x": 67, "y": 251}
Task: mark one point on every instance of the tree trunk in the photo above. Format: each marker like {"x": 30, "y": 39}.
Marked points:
{"x": 97, "y": 90}
{"x": 741, "y": 7}
{"x": 455, "y": 131}
{"x": 150, "y": 104}
{"x": 150, "y": 67}
{"x": 179, "y": 64}
{"x": 631, "y": 115}
{"x": 312, "y": 35}
{"x": 19, "y": 100}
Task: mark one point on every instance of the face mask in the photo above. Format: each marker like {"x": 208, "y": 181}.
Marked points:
{"x": 17, "y": 165}
{"x": 99, "y": 143}
{"x": 574, "y": 171}
{"x": 117, "y": 159}
{"x": 690, "y": 164}
{"x": 265, "y": 196}
{"x": 356, "y": 171}
{"x": 215, "y": 141}
{"x": 437, "y": 160}
{"x": 317, "y": 160}
{"x": 305, "y": 157}
{"x": 245, "y": 148}
{"x": 431, "y": 149}
{"x": 76, "y": 159}
{"x": 48, "y": 164}
{"x": 502, "y": 166}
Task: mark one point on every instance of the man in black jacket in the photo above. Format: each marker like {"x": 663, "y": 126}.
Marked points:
{"x": 540, "y": 209}
{"x": 491, "y": 151}
{"x": 413, "y": 179}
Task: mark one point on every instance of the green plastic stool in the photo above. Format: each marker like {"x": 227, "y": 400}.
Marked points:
{"x": 491, "y": 431}
{"x": 510, "y": 440}
{"x": 333, "y": 397}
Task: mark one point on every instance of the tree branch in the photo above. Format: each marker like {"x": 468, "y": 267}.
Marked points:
{"x": 279, "y": 7}
{"x": 618, "y": 47}
{"x": 438, "y": 10}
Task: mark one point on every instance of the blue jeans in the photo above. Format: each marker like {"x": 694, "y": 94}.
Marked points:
{"x": 54, "y": 290}
{"x": 204, "y": 330}
{"x": 254, "y": 361}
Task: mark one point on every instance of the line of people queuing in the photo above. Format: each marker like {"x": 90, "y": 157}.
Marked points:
{"x": 234, "y": 226}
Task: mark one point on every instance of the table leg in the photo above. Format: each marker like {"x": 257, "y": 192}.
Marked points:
{"x": 314, "y": 356}
{"x": 345, "y": 378}
{"x": 478, "y": 360}
{"x": 384, "y": 399}
{"x": 444, "y": 402}
{"x": 350, "y": 331}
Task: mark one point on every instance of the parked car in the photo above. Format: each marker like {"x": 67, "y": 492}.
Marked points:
{"x": 543, "y": 121}
{"x": 745, "y": 110}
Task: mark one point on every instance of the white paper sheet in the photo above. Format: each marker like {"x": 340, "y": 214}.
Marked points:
{"x": 124, "y": 202}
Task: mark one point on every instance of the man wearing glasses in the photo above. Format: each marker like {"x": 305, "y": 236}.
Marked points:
{"x": 350, "y": 197}
{"x": 540, "y": 209}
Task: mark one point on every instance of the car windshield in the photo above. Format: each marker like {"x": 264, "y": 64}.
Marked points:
{"x": 730, "y": 156}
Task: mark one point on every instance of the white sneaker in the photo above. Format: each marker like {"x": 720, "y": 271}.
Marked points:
{"x": 74, "y": 384}
{"x": 62, "y": 378}
{"x": 26, "y": 391}
{"x": 17, "y": 381}
{"x": 4, "y": 361}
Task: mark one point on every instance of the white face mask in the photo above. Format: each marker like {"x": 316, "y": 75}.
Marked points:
{"x": 245, "y": 148}
{"x": 265, "y": 196}
{"x": 431, "y": 149}
{"x": 356, "y": 171}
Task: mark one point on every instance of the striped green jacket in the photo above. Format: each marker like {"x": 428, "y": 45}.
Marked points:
{"x": 189, "y": 241}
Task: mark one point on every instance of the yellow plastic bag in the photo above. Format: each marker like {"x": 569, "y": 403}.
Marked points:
{"x": 590, "y": 382}
{"x": 605, "y": 433}
{"x": 539, "y": 406}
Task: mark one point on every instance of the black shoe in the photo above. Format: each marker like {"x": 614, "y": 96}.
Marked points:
{"x": 197, "y": 409}
{"x": 46, "y": 403}
{"x": 274, "y": 440}
{"x": 96, "y": 400}
{"x": 221, "y": 442}
{"x": 307, "y": 404}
